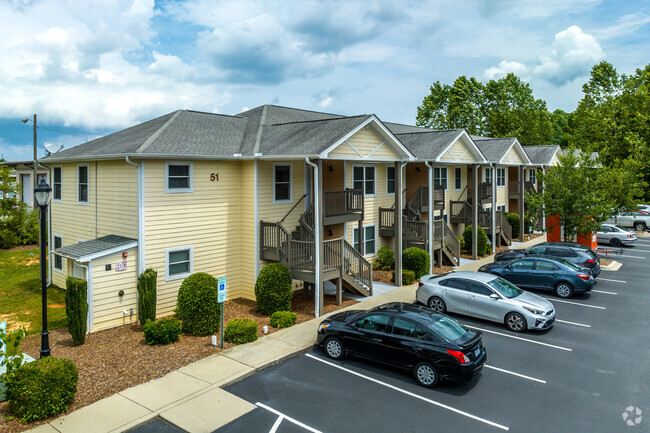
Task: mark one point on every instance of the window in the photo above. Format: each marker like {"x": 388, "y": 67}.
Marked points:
{"x": 82, "y": 184}
{"x": 390, "y": 180}
{"x": 523, "y": 265}
{"x": 533, "y": 175}
{"x": 281, "y": 183}
{"x": 502, "y": 207}
{"x": 178, "y": 177}
{"x": 480, "y": 289}
{"x": 436, "y": 217}
{"x": 455, "y": 283}
{"x": 56, "y": 183}
{"x": 458, "y": 178}
{"x": 407, "y": 329}
{"x": 368, "y": 240}
{"x": 180, "y": 262}
{"x": 501, "y": 177}
{"x": 440, "y": 176}
{"x": 488, "y": 175}
{"x": 58, "y": 260}
{"x": 546, "y": 266}
{"x": 375, "y": 322}
{"x": 363, "y": 177}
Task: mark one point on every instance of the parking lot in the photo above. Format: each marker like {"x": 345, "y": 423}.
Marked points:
{"x": 589, "y": 373}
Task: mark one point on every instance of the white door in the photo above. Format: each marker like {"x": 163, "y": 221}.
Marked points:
{"x": 25, "y": 179}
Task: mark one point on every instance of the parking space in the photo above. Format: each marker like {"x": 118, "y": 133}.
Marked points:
{"x": 581, "y": 375}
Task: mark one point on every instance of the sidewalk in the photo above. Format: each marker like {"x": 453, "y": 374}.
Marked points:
{"x": 192, "y": 397}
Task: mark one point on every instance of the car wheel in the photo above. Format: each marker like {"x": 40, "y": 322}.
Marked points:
{"x": 616, "y": 242}
{"x": 563, "y": 290}
{"x": 437, "y": 304}
{"x": 516, "y": 322}
{"x": 640, "y": 227}
{"x": 426, "y": 375}
{"x": 334, "y": 348}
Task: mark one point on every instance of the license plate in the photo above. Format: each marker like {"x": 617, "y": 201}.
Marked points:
{"x": 477, "y": 352}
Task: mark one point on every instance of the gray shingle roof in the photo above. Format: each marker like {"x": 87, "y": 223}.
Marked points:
{"x": 541, "y": 155}
{"x": 94, "y": 247}
{"x": 494, "y": 149}
{"x": 424, "y": 143}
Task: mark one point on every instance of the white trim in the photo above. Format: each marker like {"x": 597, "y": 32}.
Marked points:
{"x": 256, "y": 219}
{"x": 365, "y": 239}
{"x": 520, "y": 150}
{"x": 87, "y": 202}
{"x": 376, "y": 148}
{"x": 505, "y": 179}
{"x": 60, "y": 200}
{"x": 355, "y": 149}
{"x": 56, "y": 235}
{"x": 290, "y": 199}
{"x": 461, "y": 178}
{"x": 90, "y": 295}
{"x": 469, "y": 143}
{"x": 104, "y": 253}
{"x": 446, "y": 176}
{"x": 390, "y": 194}
{"x": 374, "y": 166}
{"x": 190, "y": 189}
{"x": 189, "y": 248}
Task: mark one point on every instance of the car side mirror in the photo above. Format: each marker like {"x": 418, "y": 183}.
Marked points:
{"x": 508, "y": 267}
{"x": 494, "y": 296}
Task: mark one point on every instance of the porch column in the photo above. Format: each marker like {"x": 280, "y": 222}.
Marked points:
{"x": 493, "y": 226}
{"x": 430, "y": 217}
{"x": 475, "y": 214}
{"x": 319, "y": 239}
{"x": 522, "y": 223}
{"x": 398, "y": 224}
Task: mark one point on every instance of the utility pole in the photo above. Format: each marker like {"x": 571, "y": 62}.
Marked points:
{"x": 34, "y": 179}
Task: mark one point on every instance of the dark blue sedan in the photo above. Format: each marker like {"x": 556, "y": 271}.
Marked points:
{"x": 560, "y": 276}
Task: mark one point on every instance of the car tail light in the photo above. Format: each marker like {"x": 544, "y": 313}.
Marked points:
{"x": 460, "y": 356}
{"x": 591, "y": 260}
{"x": 420, "y": 284}
{"x": 584, "y": 276}
{"x": 629, "y": 236}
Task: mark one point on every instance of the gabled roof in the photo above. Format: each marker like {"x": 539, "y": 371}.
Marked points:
{"x": 100, "y": 247}
{"x": 542, "y": 155}
{"x": 496, "y": 149}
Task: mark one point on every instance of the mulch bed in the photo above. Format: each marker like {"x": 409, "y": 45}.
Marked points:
{"x": 119, "y": 358}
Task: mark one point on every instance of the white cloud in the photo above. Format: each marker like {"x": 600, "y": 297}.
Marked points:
{"x": 505, "y": 67}
{"x": 625, "y": 25}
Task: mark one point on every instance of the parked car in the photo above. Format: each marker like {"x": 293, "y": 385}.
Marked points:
{"x": 615, "y": 235}
{"x": 544, "y": 273}
{"x": 644, "y": 207}
{"x": 430, "y": 344}
{"x": 488, "y": 297}
{"x": 637, "y": 219}
{"x": 575, "y": 253}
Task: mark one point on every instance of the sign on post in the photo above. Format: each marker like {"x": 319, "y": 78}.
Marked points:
{"x": 221, "y": 283}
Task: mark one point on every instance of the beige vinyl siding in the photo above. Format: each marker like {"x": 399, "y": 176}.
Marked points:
{"x": 108, "y": 306}
{"x": 458, "y": 152}
{"x": 344, "y": 151}
{"x": 415, "y": 179}
{"x": 207, "y": 219}
{"x": 368, "y": 143}
{"x": 513, "y": 157}
{"x": 555, "y": 160}
{"x": 384, "y": 151}
{"x": 247, "y": 227}
{"x": 117, "y": 199}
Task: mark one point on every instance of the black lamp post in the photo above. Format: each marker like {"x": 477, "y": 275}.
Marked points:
{"x": 42, "y": 197}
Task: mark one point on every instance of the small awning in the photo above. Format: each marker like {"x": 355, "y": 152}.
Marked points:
{"x": 100, "y": 247}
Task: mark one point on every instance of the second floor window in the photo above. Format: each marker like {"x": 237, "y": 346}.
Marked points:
{"x": 440, "y": 176}
{"x": 533, "y": 176}
{"x": 458, "y": 178}
{"x": 363, "y": 177}
{"x": 178, "y": 177}
{"x": 282, "y": 182}
{"x": 501, "y": 177}
{"x": 56, "y": 183}
{"x": 390, "y": 180}
{"x": 488, "y": 175}
{"x": 82, "y": 182}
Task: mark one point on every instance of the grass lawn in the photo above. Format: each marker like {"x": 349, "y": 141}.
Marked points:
{"x": 20, "y": 293}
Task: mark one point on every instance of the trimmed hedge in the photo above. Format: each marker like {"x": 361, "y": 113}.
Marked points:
{"x": 482, "y": 247}
{"x": 283, "y": 319}
{"x": 416, "y": 260}
{"x": 240, "y": 331}
{"x": 147, "y": 296}
{"x": 164, "y": 331}
{"x": 408, "y": 276}
{"x": 273, "y": 289}
{"x": 42, "y": 388}
{"x": 197, "y": 304}
{"x": 385, "y": 259}
{"x": 514, "y": 221}
{"x": 76, "y": 308}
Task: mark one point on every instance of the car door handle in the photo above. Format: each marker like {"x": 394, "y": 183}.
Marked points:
{"x": 444, "y": 290}
{"x": 472, "y": 297}
{"x": 377, "y": 340}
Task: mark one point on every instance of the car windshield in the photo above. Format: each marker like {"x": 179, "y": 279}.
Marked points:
{"x": 591, "y": 254}
{"x": 505, "y": 288}
{"x": 450, "y": 329}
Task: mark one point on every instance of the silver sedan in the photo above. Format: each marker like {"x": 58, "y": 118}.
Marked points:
{"x": 488, "y": 297}
{"x": 615, "y": 235}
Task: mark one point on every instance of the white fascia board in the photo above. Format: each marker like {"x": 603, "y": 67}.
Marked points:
{"x": 520, "y": 150}
{"x": 104, "y": 253}
{"x": 465, "y": 138}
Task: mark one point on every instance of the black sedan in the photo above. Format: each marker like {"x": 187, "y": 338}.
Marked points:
{"x": 545, "y": 273}
{"x": 430, "y": 344}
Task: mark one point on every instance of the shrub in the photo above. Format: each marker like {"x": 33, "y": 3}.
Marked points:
{"x": 197, "y": 304}
{"x": 408, "y": 277}
{"x": 164, "y": 331}
{"x": 241, "y": 331}
{"x": 514, "y": 221}
{"x": 273, "y": 290}
{"x": 76, "y": 309}
{"x": 416, "y": 260}
{"x": 147, "y": 296}
{"x": 283, "y": 319}
{"x": 385, "y": 259}
{"x": 482, "y": 247}
{"x": 41, "y": 388}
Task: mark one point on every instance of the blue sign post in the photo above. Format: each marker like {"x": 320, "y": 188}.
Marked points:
{"x": 221, "y": 298}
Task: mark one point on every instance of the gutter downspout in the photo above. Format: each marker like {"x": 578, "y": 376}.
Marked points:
{"x": 141, "y": 227}
{"x": 89, "y": 292}
{"x": 494, "y": 208}
{"x": 543, "y": 210}
{"x": 317, "y": 237}
{"x": 430, "y": 218}
{"x": 256, "y": 218}
{"x": 400, "y": 238}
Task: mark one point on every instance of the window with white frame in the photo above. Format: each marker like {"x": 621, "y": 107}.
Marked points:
{"x": 178, "y": 176}
{"x": 390, "y": 180}
{"x": 58, "y": 260}
{"x": 57, "y": 185}
{"x": 501, "y": 177}
{"x": 488, "y": 174}
{"x": 437, "y": 217}
{"x": 82, "y": 184}
{"x": 282, "y": 182}
{"x": 440, "y": 176}
{"x": 458, "y": 178}
{"x": 363, "y": 177}
{"x": 502, "y": 207}
{"x": 533, "y": 175}
{"x": 369, "y": 240}
{"x": 179, "y": 262}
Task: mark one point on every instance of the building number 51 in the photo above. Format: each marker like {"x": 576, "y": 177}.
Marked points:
{"x": 214, "y": 176}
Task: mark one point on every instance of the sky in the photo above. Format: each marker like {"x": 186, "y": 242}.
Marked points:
{"x": 94, "y": 67}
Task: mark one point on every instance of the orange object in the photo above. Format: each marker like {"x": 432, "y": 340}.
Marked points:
{"x": 555, "y": 233}
{"x": 588, "y": 241}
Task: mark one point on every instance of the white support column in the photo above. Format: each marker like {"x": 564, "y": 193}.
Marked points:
{"x": 430, "y": 217}
{"x": 398, "y": 229}
{"x": 494, "y": 208}
{"x": 475, "y": 214}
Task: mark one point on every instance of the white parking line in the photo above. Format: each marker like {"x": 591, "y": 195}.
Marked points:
{"x": 573, "y": 323}
{"x": 576, "y": 303}
{"x": 433, "y": 402}
{"x": 640, "y": 251}
{"x": 276, "y": 425}
{"x": 523, "y": 339}
{"x": 613, "y": 281}
{"x": 605, "y": 292}
{"x": 625, "y": 256}
{"x": 515, "y": 374}
{"x": 288, "y": 418}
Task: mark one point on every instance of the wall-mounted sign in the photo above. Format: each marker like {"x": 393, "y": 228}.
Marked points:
{"x": 108, "y": 267}
{"x": 120, "y": 266}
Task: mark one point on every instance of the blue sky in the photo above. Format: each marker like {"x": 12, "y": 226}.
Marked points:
{"x": 91, "y": 68}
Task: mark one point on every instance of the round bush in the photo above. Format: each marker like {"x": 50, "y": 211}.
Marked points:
{"x": 41, "y": 388}
{"x": 273, "y": 290}
{"x": 164, "y": 331}
{"x": 197, "y": 304}
{"x": 385, "y": 259}
{"x": 408, "y": 277}
{"x": 482, "y": 247}
{"x": 416, "y": 260}
{"x": 283, "y": 319}
{"x": 514, "y": 221}
{"x": 240, "y": 331}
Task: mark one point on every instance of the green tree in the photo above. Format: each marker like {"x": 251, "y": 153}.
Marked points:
{"x": 622, "y": 184}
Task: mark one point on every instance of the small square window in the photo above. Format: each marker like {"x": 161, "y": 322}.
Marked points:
{"x": 179, "y": 262}
{"x": 178, "y": 177}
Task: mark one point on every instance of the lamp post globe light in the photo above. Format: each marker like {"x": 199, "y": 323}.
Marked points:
{"x": 42, "y": 197}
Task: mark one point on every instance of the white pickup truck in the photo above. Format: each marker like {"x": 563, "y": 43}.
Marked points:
{"x": 638, "y": 220}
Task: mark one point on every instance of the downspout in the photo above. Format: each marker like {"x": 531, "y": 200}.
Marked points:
{"x": 317, "y": 237}
{"x": 430, "y": 218}
{"x": 402, "y": 201}
{"x": 256, "y": 218}
{"x": 141, "y": 228}
{"x": 494, "y": 208}
{"x": 89, "y": 292}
